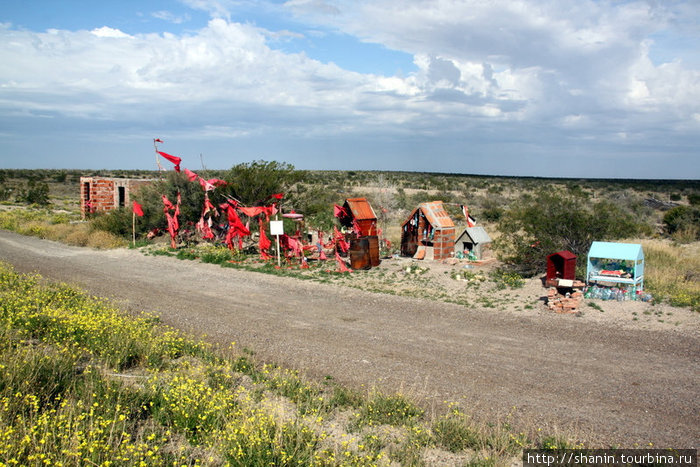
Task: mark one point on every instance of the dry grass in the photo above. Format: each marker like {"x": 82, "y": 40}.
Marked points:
{"x": 57, "y": 227}
{"x": 672, "y": 271}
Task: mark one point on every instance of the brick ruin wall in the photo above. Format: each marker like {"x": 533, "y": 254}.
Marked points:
{"x": 103, "y": 194}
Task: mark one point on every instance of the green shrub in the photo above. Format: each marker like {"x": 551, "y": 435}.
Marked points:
{"x": 683, "y": 219}
{"x": 118, "y": 222}
{"x": 38, "y": 194}
{"x": 253, "y": 182}
{"x": 550, "y": 221}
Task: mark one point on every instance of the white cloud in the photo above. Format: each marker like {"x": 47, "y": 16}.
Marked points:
{"x": 502, "y": 67}
{"x": 105, "y": 31}
{"x": 170, "y": 17}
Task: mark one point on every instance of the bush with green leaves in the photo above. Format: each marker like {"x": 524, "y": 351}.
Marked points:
{"x": 36, "y": 193}
{"x": 683, "y": 219}
{"x": 549, "y": 222}
{"x": 252, "y": 183}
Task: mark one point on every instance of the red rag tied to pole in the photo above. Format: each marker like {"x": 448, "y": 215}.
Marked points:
{"x": 204, "y": 225}
{"x": 341, "y": 263}
{"x": 289, "y": 243}
{"x": 174, "y": 159}
{"x": 264, "y": 243}
{"x": 339, "y": 211}
{"x": 191, "y": 176}
{"x": 138, "y": 210}
{"x": 339, "y": 239}
{"x": 235, "y": 228}
{"x": 208, "y": 185}
{"x": 173, "y": 223}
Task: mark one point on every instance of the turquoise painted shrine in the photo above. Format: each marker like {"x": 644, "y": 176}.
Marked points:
{"x": 620, "y": 263}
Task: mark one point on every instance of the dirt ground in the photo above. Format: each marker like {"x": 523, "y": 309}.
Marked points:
{"x": 600, "y": 376}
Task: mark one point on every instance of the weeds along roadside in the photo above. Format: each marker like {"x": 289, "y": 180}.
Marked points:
{"x": 62, "y": 227}
{"x": 83, "y": 383}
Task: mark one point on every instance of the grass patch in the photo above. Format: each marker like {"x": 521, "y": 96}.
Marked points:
{"x": 672, "y": 272}
{"x": 57, "y": 226}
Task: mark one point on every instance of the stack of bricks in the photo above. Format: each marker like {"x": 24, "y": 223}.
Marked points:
{"x": 569, "y": 303}
{"x": 444, "y": 243}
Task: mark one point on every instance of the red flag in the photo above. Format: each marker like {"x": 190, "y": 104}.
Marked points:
{"x": 235, "y": 227}
{"x": 339, "y": 239}
{"x": 339, "y": 211}
{"x": 167, "y": 203}
{"x": 191, "y": 176}
{"x": 157, "y": 140}
{"x": 216, "y": 182}
{"x": 264, "y": 243}
{"x": 173, "y": 224}
{"x": 206, "y": 186}
{"x": 174, "y": 159}
{"x": 138, "y": 210}
{"x": 252, "y": 212}
{"x": 471, "y": 222}
{"x": 341, "y": 263}
{"x": 277, "y": 196}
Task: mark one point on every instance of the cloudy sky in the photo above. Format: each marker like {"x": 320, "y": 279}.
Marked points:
{"x": 572, "y": 88}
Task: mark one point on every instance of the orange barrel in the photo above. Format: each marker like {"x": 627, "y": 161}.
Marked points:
{"x": 359, "y": 253}
{"x": 373, "y": 250}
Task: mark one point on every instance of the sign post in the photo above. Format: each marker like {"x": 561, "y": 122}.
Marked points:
{"x": 277, "y": 229}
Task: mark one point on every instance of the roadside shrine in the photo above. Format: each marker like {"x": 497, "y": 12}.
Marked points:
{"x": 359, "y": 224}
{"x": 428, "y": 233}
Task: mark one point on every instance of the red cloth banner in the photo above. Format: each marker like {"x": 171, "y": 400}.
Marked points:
{"x": 339, "y": 211}
{"x": 264, "y": 243}
{"x": 340, "y": 241}
{"x": 173, "y": 223}
{"x": 204, "y": 225}
{"x": 341, "y": 263}
{"x": 289, "y": 243}
{"x": 138, "y": 210}
{"x": 235, "y": 227}
{"x": 191, "y": 176}
{"x": 174, "y": 159}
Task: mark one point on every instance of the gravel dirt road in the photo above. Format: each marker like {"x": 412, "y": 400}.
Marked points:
{"x": 606, "y": 384}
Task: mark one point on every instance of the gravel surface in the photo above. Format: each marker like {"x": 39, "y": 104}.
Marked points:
{"x": 603, "y": 383}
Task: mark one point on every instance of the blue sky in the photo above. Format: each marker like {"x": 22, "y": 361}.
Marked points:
{"x": 564, "y": 88}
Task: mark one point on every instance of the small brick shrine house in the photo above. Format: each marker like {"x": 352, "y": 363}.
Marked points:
{"x": 428, "y": 233}
{"x": 103, "y": 194}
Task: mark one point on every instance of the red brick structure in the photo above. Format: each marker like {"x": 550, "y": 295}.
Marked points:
{"x": 428, "y": 233}
{"x": 101, "y": 194}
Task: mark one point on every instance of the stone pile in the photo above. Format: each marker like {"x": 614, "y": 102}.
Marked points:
{"x": 570, "y": 302}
